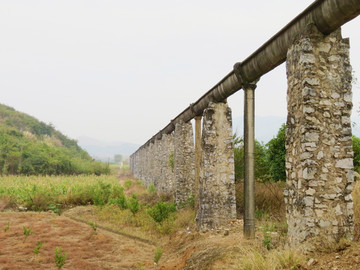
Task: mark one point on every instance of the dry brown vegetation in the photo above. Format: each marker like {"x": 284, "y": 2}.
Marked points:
{"x": 85, "y": 248}
{"x": 123, "y": 240}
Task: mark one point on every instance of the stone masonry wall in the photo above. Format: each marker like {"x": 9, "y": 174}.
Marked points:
{"x": 151, "y": 165}
{"x": 217, "y": 182}
{"x": 319, "y": 158}
{"x": 167, "y": 176}
{"x": 184, "y": 162}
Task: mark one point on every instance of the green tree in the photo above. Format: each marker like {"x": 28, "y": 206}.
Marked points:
{"x": 261, "y": 163}
{"x": 276, "y": 155}
{"x": 118, "y": 158}
{"x": 356, "y": 149}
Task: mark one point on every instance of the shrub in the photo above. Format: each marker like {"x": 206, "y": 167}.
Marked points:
{"x": 60, "y": 257}
{"x": 102, "y": 193}
{"x": 133, "y": 204}
{"x": 128, "y": 183}
{"x": 118, "y": 197}
{"x": 151, "y": 189}
{"x": 161, "y": 211}
{"x": 158, "y": 254}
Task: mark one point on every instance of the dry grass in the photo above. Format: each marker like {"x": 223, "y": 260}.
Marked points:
{"x": 7, "y": 202}
{"x": 269, "y": 199}
{"x": 139, "y": 225}
{"x": 85, "y": 249}
{"x": 257, "y": 259}
{"x": 356, "y": 198}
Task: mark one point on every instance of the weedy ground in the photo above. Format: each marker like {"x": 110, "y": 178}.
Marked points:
{"x": 132, "y": 227}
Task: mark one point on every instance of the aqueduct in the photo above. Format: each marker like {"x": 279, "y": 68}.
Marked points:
{"x": 319, "y": 158}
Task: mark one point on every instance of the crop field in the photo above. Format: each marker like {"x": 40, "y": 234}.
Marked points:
{"x": 54, "y": 192}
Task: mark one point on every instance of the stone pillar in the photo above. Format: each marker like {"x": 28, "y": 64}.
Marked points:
{"x": 319, "y": 155}
{"x": 183, "y": 160}
{"x": 156, "y": 167}
{"x": 167, "y": 172}
{"x": 217, "y": 181}
{"x": 197, "y": 158}
{"x": 148, "y": 170}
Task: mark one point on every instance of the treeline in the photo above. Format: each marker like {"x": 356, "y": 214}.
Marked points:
{"x": 31, "y": 147}
{"x": 270, "y": 157}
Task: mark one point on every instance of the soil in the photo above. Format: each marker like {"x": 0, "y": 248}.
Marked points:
{"x": 103, "y": 249}
{"x": 107, "y": 248}
{"x": 349, "y": 258}
{"x": 85, "y": 247}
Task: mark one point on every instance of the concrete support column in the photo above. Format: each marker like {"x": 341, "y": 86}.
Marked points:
{"x": 319, "y": 155}
{"x": 197, "y": 158}
{"x": 217, "y": 181}
{"x": 249, "y": 161}
{"x": 183, "y": 162}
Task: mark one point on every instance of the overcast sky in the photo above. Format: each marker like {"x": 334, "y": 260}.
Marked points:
{"x": 119, "y": 70}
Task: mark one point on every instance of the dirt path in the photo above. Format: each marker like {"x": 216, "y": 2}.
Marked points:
{"x": 85, "y": 248}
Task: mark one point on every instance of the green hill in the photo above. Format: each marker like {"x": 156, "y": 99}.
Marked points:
{"x": 29, "y": 146}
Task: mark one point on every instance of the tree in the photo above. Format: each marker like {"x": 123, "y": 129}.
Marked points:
{"x": 276, "y": 155}
{"x": 118, "y": 158}
{"x": 261, "y": 164}
{"x": 356, "y": 149}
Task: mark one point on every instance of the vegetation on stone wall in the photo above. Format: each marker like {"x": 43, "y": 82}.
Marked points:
{"x": 30, "y": 147}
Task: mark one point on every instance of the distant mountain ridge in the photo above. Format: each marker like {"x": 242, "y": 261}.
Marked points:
{"x": 105, "y": 150}
{"x": 267, "y": 127}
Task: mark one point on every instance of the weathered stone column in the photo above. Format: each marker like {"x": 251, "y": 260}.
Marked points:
{"x": 183, "y": 162}
{"x": 156, "y": 167}
{"x": 166, "y": 182}
{"x": 217, "y": 181}
{"x": 197, "y": 158}
{"x": 319, "y": 158}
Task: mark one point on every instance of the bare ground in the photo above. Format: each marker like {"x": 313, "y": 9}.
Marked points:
{"x": 110, "y": 248}
{"x": 87, "y": 249}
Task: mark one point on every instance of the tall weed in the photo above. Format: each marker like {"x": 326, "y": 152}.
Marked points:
{"x": 133, "y": 204}
{"x": 269, "y": 199}
{"x": 356, "y": 198}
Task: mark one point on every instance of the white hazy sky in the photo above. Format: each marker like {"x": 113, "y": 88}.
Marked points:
{"x": 119, "y": 70}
